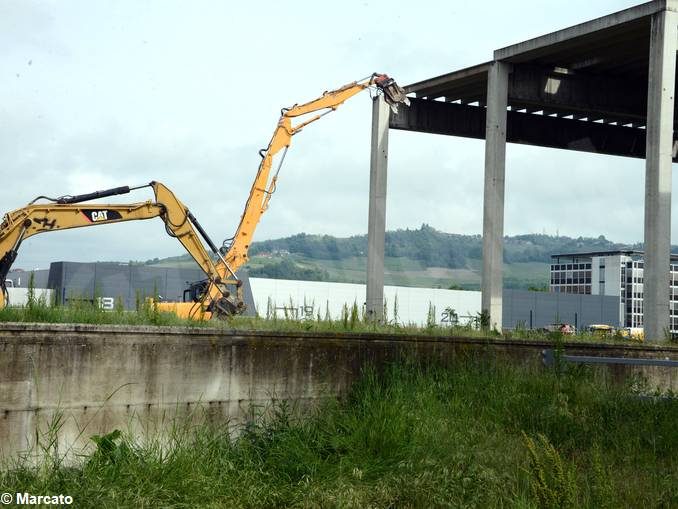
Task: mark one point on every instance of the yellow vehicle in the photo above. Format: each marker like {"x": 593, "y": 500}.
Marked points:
{"x": 234, "y": 249}
{"x": 602, "y": 329}
{"x": 632, "y": 333}
{"x": 220, "y": 294}
{"x": 69, "y": 212}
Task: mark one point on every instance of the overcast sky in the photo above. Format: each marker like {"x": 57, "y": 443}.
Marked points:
{"x": 99, "y": 94}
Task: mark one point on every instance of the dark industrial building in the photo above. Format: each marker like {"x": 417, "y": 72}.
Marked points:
{"x": 533, "y": 310}
{"x": 113, "y": 281}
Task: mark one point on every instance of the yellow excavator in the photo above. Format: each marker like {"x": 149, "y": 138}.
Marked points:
{"x": 66, "y": 212}
{"x": 220, "y": 294}
{"x": 234, "y": 250}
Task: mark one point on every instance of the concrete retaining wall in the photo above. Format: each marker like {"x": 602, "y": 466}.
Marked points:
{"x": 85, "y": 380}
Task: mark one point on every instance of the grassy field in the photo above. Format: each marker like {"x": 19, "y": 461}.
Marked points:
{"x": 351, "y": 320}
{"x": 482, "y": 434}
{"x": 407, "y": 272}
{"x": 146, "y": 314}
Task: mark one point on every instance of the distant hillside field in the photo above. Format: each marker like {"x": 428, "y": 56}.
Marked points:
{"x": 423, "y": 257}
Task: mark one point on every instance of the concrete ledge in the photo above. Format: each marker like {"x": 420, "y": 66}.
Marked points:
{"x": 149, "y": 333}
{"x": 93, "y": 379}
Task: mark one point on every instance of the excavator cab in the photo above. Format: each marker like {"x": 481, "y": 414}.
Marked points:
{"x": 223, "y": 306}
{"x": 196, "y": 291}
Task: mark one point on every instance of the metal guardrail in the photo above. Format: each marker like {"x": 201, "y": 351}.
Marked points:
{"x": 548, "y": 357}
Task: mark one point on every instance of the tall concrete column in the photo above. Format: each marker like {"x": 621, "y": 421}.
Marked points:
{"x": 376, "y": 228}
{"x": 659, "y": 141}
{"x": 493, "y": 198}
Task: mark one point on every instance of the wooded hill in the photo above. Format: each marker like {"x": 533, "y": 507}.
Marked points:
{"x": 433, "y": 248}
{"x": 416, "y": 257}
{"x": 422, "y": 257}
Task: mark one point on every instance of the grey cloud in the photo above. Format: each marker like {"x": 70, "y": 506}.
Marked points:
{"x": 192, "y": 111}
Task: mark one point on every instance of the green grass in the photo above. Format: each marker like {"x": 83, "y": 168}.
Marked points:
{"x": 351, "y": 320}
{"x": 477, "y": 434}
{"x": 84, "y": 312}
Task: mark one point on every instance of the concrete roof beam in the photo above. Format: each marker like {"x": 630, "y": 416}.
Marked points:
{"x": 578, "y": 92}
{"x": 573, "y": 33}
{"x": 469, "y": 121}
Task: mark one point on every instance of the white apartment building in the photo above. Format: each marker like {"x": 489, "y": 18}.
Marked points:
{"x": 613, "y": 273}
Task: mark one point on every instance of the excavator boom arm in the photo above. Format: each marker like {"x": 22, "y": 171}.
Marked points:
{"x": 264, "y": 184}
{"x": 70, "y": 212}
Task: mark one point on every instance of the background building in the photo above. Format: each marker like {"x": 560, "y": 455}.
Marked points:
{"x": 303, "y": 299}
{"x": 116, "y": 281}
{"x": 614, "y": 273}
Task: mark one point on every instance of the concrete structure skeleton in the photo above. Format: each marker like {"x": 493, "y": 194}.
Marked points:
{"x": 604, "y": 86}
{"x": 376, "y": 229}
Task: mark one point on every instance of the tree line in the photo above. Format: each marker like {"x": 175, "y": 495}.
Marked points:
{"x": 433, "y": 248}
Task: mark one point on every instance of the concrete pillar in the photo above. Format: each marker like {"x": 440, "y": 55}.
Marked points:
{"x": 659, "y": 140}
{"x": 493, "y": 199}
{"x": 376, "y": 227}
